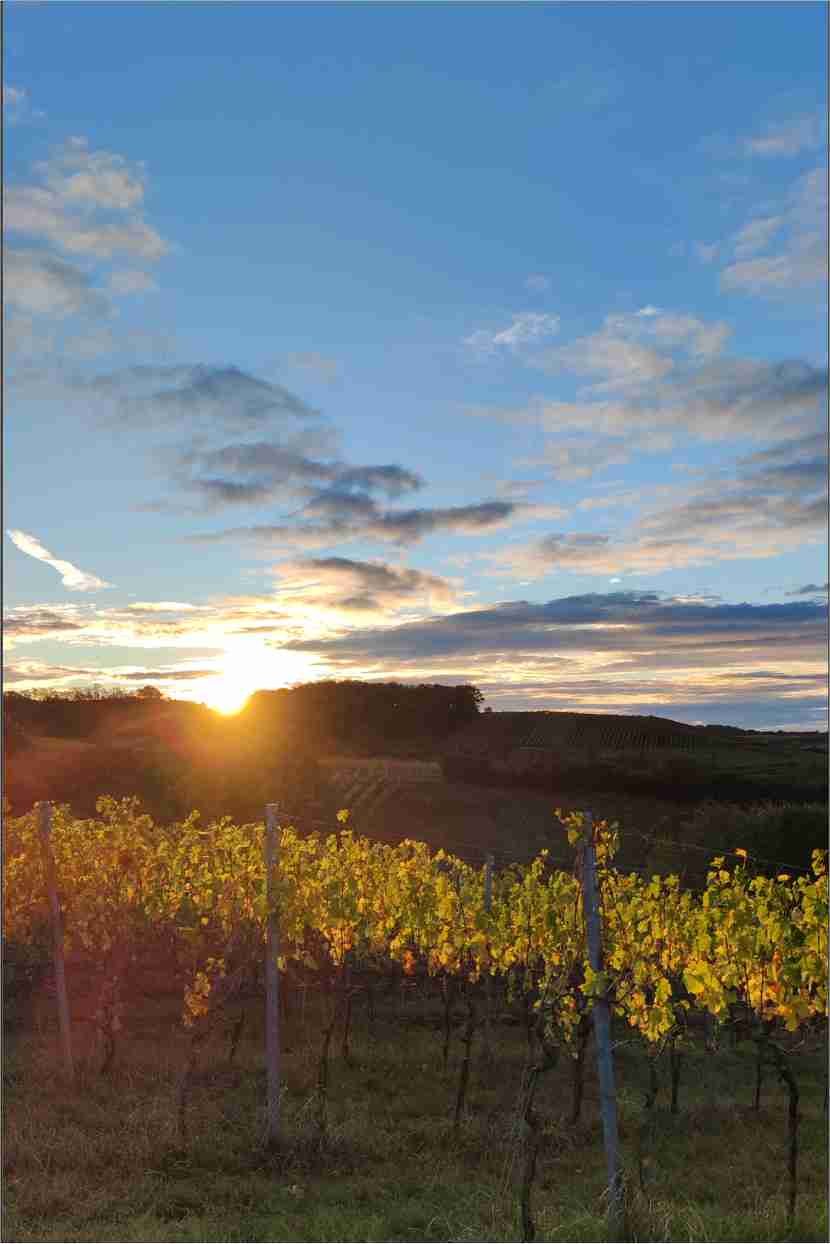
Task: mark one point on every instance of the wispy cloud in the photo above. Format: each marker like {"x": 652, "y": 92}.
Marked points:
{"x": 255, "y": 472}
{"x": 810, "y": 589}
{"x": 41, "y": 622}
{"x": 756, "y": 235}
{"x": 17, "y": 106}
{"x": 787, "y": 138}
{"x": 538, "y": 283}
{"x": 799, "y": 261}
{"x": 70, "y": 231}
{"x": 37, "y": 283}
{"x": 41, "y": 671}
{"x": 527, "y": 329}
{"x": 340, "y": 517}
{"x": 630, "y": 498}
{"x": 71, "y": 577}
{"x": 753, "y": 510}
{"x": 577, "y": 461}
{"x": 212, "y": 395}
{"x": 650, "y": 400}
{"x": 636, "y": 651}
{"x": 309, "y": 596}
{"x": 166, "y": 674}
{"x": 615, "y": 622}
{"x": 634, "y": 350}
{"x": 620, "y": 651}
{"x": 339, "y": 585}
{"x": 131, "y": 281}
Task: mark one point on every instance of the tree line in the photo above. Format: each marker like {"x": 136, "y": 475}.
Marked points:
{"x": 329, "y": 710}
{"x": 350, "y": 710}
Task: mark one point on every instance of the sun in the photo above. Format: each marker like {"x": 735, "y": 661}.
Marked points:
{"x": 226, "y": 696}
{"x": 249, "y": 667}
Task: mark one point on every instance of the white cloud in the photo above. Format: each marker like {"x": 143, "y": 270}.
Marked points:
{"x": 166, "y": 606}
{"x": 714, "y": 400}
{"x": 635, "y": 350}
{"x": 131, "y": 281}
{"x": 42, "y": 213}
{"x": 800, "y": 260}
{"x": 86, "y": 208}
{"x": 624, "y": 363}
{"x": 527, "y": 329}
{"x": 88, "y": 204}
{"x": 91, "y": 344}
{"x": 770, "y": 503}
{"x": 787, "y": 138}
{"x": 37, "y": 283}
{"x": 93, "y": 178}
{"x": 17, "y": 107}
{"x": 579, "y": 461}
{"x": 341, "y": 586}
{"x": 700, "y": 340}
{"x": 628, "y": 499}
{"x": 41, "y": 671}
{"x": 756, "y": 235}
{"x": 73, "y": 578}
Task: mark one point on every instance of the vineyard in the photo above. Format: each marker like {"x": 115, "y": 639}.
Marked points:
{"x": 482, "y": 950}
{"x": 560, "y": 751}
{"x": 366, "y": 788}
{"x": 585, "y": 730}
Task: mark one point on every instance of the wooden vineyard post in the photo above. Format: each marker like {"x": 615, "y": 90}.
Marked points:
{"x": 488, "y": 979}
{"x": 272, "y": 981}
{"x": 602, "y": 1031}
{"x": 45, "y": 827}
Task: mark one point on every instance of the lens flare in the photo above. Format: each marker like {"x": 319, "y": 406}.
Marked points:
{"x": 246, "y": 668}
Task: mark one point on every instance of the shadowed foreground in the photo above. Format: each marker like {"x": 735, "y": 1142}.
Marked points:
{"x": 105, "y": 1162}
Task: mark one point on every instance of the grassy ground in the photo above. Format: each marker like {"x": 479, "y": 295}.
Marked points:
{"x": 104, "y": 1162}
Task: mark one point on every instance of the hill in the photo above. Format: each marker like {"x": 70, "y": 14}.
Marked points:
{"x": 320, "y": 748}
{"x": 637, "y": 754}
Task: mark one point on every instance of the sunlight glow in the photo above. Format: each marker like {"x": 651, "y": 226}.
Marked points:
{"x": 249, "y": 667}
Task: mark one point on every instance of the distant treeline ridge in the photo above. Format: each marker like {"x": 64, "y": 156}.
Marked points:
{"x": 330, "y": 709}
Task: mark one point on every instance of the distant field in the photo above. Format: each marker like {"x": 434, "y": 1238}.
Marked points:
{"x": 648, "y": 755}
{"x": 629, "y": 769}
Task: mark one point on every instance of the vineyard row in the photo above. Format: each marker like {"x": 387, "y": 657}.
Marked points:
{"x": 340, "y": 907}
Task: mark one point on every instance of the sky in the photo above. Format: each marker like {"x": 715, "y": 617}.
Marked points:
{"x": 437, "y": 343}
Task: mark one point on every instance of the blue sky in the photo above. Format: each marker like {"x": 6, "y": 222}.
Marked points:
{"x": 435, "y": 342}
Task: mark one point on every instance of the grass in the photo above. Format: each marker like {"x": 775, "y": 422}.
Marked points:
{"x": 103, "y": 1162}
